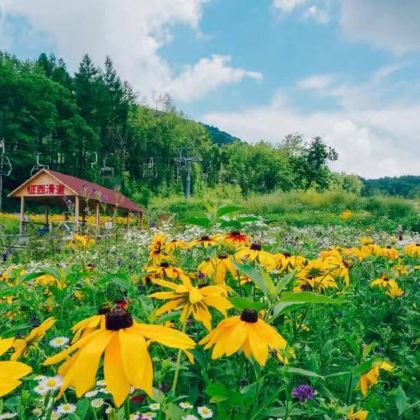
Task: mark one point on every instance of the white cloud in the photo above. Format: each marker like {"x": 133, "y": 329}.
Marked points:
{"x": 315, "y": 13}
{"x": 131, "y": 32}
{"x": 206, "y": 75}
{"x": 288, "y": 6}
{"x": 390, "y": 24}
{"x": 317, "y": 82}
{"x": 372, "y": 139}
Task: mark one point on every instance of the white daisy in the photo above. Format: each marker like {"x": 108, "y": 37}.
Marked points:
{"x": 37, "y": 412}
{"x": 101, "y": 382}
{"x": 190, "y": 417}
{"x": 205, "y": 412}
{"x": 66, "y": 408}
{"x": 41, "y": 389}
{"x": 52, "y": 383}
{"x": 91, "y": 394}
{"x": 186, "y": 405}
{"x": 154, "y": 406}
{"x": 97, "y": 402}
{"x": 58, "y": 342}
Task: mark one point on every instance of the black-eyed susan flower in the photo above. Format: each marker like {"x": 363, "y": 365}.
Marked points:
{"x": 126, "y": 358}
{"x": 164, "y": 271}
{"x": 288, "y": 262}
{"x": 388, "y": 252}
{"x": 370, "y": 378}
{"x": 255, "y": 253}
{"x": 174, "y": 244}
{"x": 235, "y": 239}
{"x": 246, "y": 333}
{"x": 216, "y": 268}
{"x": 357, "y": 415}
{"x": 383, "y": 281}
{"x": 192, "y": 300}
{"x": 10, "y": 371}
{"x": 394, "y": 290}
{"x": 157, "y": 252}
{"x": 37, "y": 334}
{"x": 316, "y": 276}
{"x": 205, "y": 241}
{"x": 412, "y": 250}
{"x": 81, "y": 242}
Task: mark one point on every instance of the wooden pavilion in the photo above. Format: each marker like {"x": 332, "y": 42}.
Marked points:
{"x": 54, "y": 188}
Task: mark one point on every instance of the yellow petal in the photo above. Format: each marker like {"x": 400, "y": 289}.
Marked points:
{"x": 257, "y": 344}
{"x": 115, "y": 379}
{"x": 5, "y": 345}
{"x": 166, "y": 336}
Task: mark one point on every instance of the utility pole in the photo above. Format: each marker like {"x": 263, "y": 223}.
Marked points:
{"x": 185, "y": 163}
{"x": 5, "y": 169}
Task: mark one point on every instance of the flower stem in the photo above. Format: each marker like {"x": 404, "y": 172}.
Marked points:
{"x": 127, "y": 409}
{"x": 178, "y": 362}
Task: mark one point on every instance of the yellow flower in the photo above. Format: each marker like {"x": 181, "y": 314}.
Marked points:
{"x": 284, "y": 355}
{"x": 10, "y": 371}
{"x": 388, "y": 252}
{"x": 157, "y": 253}
{"x": 370, "y": 378}
{"x": 288, "y": 262}
{"x": 382, "y": 281}
{"x": 193, "y": 301}
{"x": 81, "y": 241}
{"x": 126, "y": 362}
{"x": 36, "y": 335}
{"x": 346, "y": 214}
{"x": 174, "y": 244}
{"x": 316, "y": 276}
{"x": 48, "y": 280}
{"x": 217, "y": 268}
{"x": 247, "y": 333}
{"x": 235, "y": 239}
{"x": 412, "y": 250}
{"x": 164, "y": 271}
{"x": 357, "y": 415}
{"x": 394, "y": 291}
{"x": 205, "y": 241}
{"x": 88, "y": 325}
{"x": 255, "y": 253}
{"x": 366, "y": 240}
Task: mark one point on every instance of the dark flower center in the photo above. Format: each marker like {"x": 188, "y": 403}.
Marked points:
{"x": 118, "y": 319}
{"x": 256, "y": 247}
{"x": 104, "y": 310}
{"x": 205, "y": 238}
{"x": 164, "y": 264}
{"x": 235, "y": 233}
{"x": 287, "y": 254}
{"x": 200, "y": 286}
{"x": 223, "y": 257}
{"x": 249, "y": 315}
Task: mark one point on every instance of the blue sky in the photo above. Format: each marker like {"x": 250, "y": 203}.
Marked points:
{"x": 260, "y": 69}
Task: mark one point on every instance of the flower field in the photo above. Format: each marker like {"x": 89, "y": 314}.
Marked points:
{"x": 191, "y": 323}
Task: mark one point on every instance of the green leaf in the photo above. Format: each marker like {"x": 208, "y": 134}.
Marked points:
{"x": 121, "y": 282}
{"x": 218, "y": 392}
{"x": 243, "y": 303}
{"x": 309, "y": 297}
{"x": 401, "y": 400}
{"x": 259, "y": 277}
{"x": 173, "y": 412}
{"x": 303, "y": 372}
{"x": 201, "y": 221}
{"x": 284, "y": 307}
{"x": 281, "y": 412}
{"x": 364, "y": 367}
{"x": 284, "y": 282}
{"x": 222, "y": 211}
{"x": 82, "y": 408}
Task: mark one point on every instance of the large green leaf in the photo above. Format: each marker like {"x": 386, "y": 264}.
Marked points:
{"x": 201, "y": 221}
{"x": 401, "y": 400}
{"x": 259, "y": 277}
{"x": 224, "y": 210}
{"x": 303, "y": 372}
{"x": 309, "y": 297}
{"x": 243, "y": 303}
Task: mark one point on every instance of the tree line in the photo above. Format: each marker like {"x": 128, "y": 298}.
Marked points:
{"x": 91, "y": 124}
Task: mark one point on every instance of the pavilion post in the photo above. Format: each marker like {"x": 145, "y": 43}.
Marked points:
{"x": 76, "y": 213}
{"x": 22, "y": 214}
{"x": 141, "y": 220}
{"x": 47, "y": 215}
{"x": 97, "y": 222}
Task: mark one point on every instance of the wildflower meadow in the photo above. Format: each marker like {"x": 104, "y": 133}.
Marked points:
{"x": 228, "y": 319}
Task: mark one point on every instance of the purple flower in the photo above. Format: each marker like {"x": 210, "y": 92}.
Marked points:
{"x": 303, "y": 392}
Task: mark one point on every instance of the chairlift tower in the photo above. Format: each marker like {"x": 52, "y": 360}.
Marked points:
{"x": 185, "y": 163}
{"x": 5, "y": 169}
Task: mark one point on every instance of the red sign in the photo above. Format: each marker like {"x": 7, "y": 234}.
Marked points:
{"x": 45, "y": 189}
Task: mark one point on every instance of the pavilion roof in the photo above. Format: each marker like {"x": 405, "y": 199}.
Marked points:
{"x": 87, "y": 189}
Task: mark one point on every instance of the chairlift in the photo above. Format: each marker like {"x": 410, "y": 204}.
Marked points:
{"x": 38, "y": 166}
{"x": 95, "y": 162}
{"x": 106, "y": 171}
{"x": 150, "y": 168}
{"x": 5, "y": 164}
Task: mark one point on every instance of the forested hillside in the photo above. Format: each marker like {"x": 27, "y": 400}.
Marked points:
{"x": 403, "y": 186}
{"x": 90, "y": 124}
